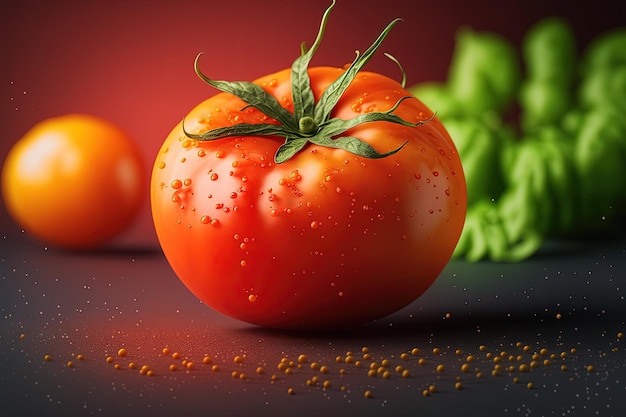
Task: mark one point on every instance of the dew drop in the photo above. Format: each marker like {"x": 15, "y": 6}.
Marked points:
{"x": 176, "y": 184}
{"x": 205, "y": 220}
{"x": 214, "y": 176}
{"x": 252, "y": 298}
{"x": 161, "y": 165}
{"x": 315, "y": 224}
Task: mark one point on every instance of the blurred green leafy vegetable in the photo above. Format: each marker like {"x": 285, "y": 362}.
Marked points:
{"x": 541, "y": 131}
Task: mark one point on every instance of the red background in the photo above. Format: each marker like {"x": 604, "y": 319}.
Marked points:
{"x": 131, "y": 61}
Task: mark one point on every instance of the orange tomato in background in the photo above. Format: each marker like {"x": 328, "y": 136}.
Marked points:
{"x": 74, "y": 181}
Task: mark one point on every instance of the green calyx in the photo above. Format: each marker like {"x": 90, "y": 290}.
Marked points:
{"x": 310, "y": 122}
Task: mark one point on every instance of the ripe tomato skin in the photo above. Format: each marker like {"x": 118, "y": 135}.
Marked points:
{"x": 74, "y": 181}
{"x": 325, "y": 239}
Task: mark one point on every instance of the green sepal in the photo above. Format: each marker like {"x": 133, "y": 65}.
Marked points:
{"x": 254, "y": 95}
{"x": 310, "y": 122}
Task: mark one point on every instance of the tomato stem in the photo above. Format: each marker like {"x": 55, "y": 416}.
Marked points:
{"x": 310, "y": 122}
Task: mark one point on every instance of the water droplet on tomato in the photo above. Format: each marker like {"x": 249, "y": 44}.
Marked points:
{"x": 214, "y": 176}
{"x": 175, "y": 198}
{"x": 205, "y": 220}
{"x": 436, "y": 173}
{"x": 219, "y": 154}
{"x": 315, "y": 224}
{"x": 201, "y": 153}
{"x": 233, "y": 195}
{"x": 252, "y": 298}
{"x": 161, "y": 165}
{"x": 274, "y": 213}
{"x": 187, "y": 182}
{"x": 448, "y": 192}
{"x": 176, "y": 184}
{"x": 339, "y": 190}
{"x": 243, "y": 263}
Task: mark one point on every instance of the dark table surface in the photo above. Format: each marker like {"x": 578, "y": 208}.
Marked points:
{"x": 566, "y": 305}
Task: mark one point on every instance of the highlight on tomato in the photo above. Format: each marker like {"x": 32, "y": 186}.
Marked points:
{"x": 74, "y": 181}
{"x": 311, "y": 198}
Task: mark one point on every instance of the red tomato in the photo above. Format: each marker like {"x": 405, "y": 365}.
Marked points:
{"x": 324, "y": 239}
{"x": 74, "y": 181}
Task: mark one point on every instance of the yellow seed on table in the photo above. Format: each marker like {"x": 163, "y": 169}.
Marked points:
{"x": 458, "y": 385}
{"x": 315, "y": 379}
{"x": 590, "y": 368}
{"x": 404, "y": 356}
{"x": 458, "y": 352}
{"x": 175, "y": 355}
{"x": 436, "y": 351}
{"x": 406, "y": 373}
{"x": 326, "y": 384}
{"x": 543, "y": 352}
{"x": 526, "y": 348}
{"x": 117, "y": 366}
{"x": 206, "y": 360}
{"x": 367, "y": 356}
{"x": 620, "y": 335}
{"x": 288, "y": 371}
{"x": 572, "y": 350}
{"x": 338, "y": 359}
{"x": 150, "y": 372}
{"x": 365, "y": 349}
{"x": 324, "y": 369}
{"x": 530, "y": 385}
{"x": 516, "y": 380}
{"x": 122, "y": 352}
{"x": 470, "y": 358}
{"x": 260, "y": 370}
{"x": 80, "y": 357}
{"x": 426, "y": 393}
{"x": 290, "y": 391}
{"x": 372, "y": 373}
{"x": 315, "y": 366}
{"x": 415, "y": 351}
{"x": 563, "y": 367}
{"x": 173, "y": 367}
{"x": 524, "y": 367}
{"x": 302, "y": 358}
{"x": 466, "y": 367}
{"x": 190, "y": 365}
{"x": 440, "y": 368}
{"x": 235, "y": 374}
{"x": 386, "y": 375}
{"x": 421, "y": 361}
{"x": 47, "y": 358}
{"x": 109, "y": 359}
{"x": 399, "y": 369}
{"x": 215, "y": 368}
{"x": 349, "y": 359}
{"x": 165, "y": 351}
{"x": 342, "y": 371}
{"x": 385, "y": 362}
{"x": 432, "y": 389}
{"x": 70, "y": 364}
{"x": 243, "y": 376}
{"x": 368, "y": 394}
{"x": 238, "y": 359}
{"x": 132, "y": 365}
